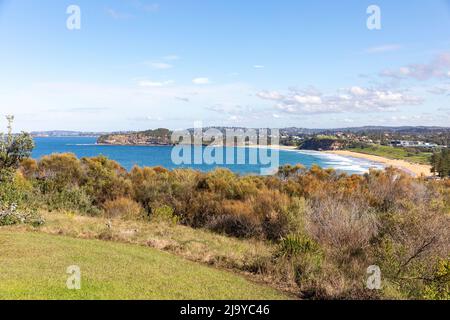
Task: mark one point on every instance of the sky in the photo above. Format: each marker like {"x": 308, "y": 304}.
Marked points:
{"x": 142, "y": 64}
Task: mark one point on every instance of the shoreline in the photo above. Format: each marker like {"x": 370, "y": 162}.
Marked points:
{"x": 414, "y": 169}
{"x": 410, "y": 168}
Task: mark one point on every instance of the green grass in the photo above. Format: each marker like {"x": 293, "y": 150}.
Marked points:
{"x": 193, "y": 244}
{"x": 33, "y": 266}
{"x": 395, "y": 153}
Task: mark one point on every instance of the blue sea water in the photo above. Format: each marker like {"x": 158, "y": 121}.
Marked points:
{"x": 129, "y": 156}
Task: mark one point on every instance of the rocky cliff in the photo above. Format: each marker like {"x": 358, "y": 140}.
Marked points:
{"x": 158, "y": 137}
{"x": 322, "y": 144}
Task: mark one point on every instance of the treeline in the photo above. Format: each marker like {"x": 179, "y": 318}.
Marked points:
{"x": 440, "y": 162}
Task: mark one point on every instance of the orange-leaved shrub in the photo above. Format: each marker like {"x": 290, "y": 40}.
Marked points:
{"x": 123, "y": 208}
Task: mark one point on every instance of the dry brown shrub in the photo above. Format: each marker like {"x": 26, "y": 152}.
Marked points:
{"x": 124, "y": 208}
{"x": 240, "y": 226}
{"x": 342, "y": 224}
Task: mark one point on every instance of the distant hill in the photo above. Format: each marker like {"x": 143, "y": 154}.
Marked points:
{"x": 162, "y": 136}
{"x": 64, "y": 133}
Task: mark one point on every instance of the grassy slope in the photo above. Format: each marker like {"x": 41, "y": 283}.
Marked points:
{"x": 194, "y": 244}
{"x": 394, "y": 153}
{"x": 33, "y": 266}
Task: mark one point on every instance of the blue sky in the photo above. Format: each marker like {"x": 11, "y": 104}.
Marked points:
{"x": 138, "y": 64}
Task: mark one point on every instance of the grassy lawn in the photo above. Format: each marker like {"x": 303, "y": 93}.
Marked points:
{"x": 395, "y": 153}
{"x": 33, "y": 266}
{"x": 193, "y": 244}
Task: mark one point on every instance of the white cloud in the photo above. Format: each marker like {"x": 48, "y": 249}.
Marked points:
{"x": 354, "y": 99}
{"x": 148, "y": 83}
{"x": 438, "y": 68}
{"x": 358, "y": 91}
{"x": 150, "y": 118}
{"x": 200, "y": 80}
{"x": 258, "y": 66}
{"x": 270, "y": 95}
{"x": 305, "y": 99}
{"x": 31, "y": 104}
{"x": 440, "y": 89}
{"x": 384, "y": 48}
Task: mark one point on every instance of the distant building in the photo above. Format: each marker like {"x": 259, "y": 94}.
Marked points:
{"x": 412, "y": 144}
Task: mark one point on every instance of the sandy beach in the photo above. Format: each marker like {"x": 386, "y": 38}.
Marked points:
{"x": 412, "y": 168}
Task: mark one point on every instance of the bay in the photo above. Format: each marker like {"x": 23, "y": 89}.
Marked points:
{"x": 152, "y": 156}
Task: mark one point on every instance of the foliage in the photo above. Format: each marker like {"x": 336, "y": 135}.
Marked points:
{"x": 439, "y": 286}
{"x": 164, "y": 214}
{"x": 13, "y": 148}
{"x": 328, "y": 227}
{"x": 440, "y": 162}
{"x": 293, "y": 245}
{"x": 11, "y": 216}
{"x": 124, "y": 208}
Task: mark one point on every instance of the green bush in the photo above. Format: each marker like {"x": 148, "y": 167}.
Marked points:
{"x": 72, "y": 199}
{"x": 11, "y": 216}
{"x": 438, "y": 287}
{"x": 164, "y": 214}
{"x": 293, "y": 245}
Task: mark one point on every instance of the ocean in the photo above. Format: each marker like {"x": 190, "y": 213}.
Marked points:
{"x": 129, "y": 156}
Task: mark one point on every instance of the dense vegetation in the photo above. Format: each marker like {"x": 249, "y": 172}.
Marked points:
{"x": 13, "y": 148}
{"x": 149, "y": 137}
{"x": 328, "y": 228}
{"x": 321, "y": 143}
{"x": 440, "y": 162}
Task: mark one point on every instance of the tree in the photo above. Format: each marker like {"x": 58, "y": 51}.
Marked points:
{"x": 13, "y": 149}
{"x": 440, "y": 162}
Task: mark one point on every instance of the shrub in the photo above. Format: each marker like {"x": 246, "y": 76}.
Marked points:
{"x": 340, "y": 224}
{"x": 239, "y": 226}
{"x": 271, "y": 208}
{"x": 11, "y": 216}
{"x": 13, "y": 149}
{"x": 293, "y": 245}
{"x": 59, "y": 171}
{"x": 411, "y": 244}
{"x": 124, "y": 208}
{"x": 72, "y": 199}
{"x": 15, "y": 191}
{"x": 150, "y": 187}
{"x": 164, "y": 214}
{"x": 438, "y": 287}
{"x": 104, "y": 179}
